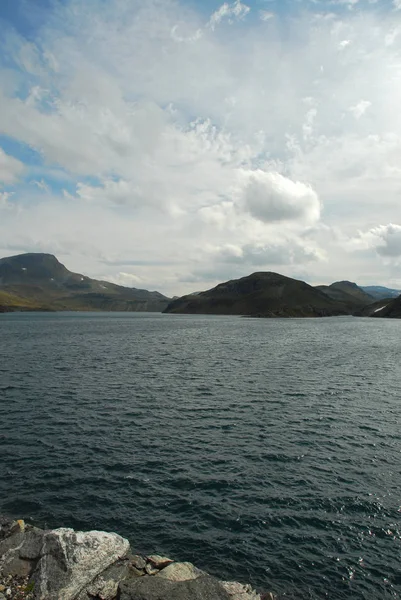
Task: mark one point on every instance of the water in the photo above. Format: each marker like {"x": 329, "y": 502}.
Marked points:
{"x": 262, "y": 450}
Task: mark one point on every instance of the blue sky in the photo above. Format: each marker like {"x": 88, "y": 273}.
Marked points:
{"x": 173, "y": 145}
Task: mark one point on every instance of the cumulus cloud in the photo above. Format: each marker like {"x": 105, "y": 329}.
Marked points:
{"x": 272, "y": 197}
{"x": 384, "y": 239}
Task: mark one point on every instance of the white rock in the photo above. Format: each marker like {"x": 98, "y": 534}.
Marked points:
{"x": 71, "y": 560}
{"x": 180, "y": 572}
{"x": 238, "y": 591}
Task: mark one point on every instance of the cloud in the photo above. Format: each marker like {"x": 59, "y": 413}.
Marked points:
{"x": 384, "y": 239}
{"x": 284, "y": 252}
{"x": 266, "y": 15}
{"x": 124, "y": 279}
{"x": 360, "y": 108}
{"x": 271, "y": 197}
{"x": 173, "y": 134}
{"x": 235, "y": 10}
{"x": 10, "y": 168}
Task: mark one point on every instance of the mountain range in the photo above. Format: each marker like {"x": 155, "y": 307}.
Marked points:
{"x": 37, "y": 281}
{"x": 268, "y": 294}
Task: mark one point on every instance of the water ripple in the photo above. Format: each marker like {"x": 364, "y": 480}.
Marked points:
{"x": 262, "y": 450}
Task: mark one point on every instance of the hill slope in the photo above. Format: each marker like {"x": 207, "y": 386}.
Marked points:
{"x": 348, "y": 293}
{"x": 260, "y": 294}
{"x": 381, "y": 293}
{"x": 11, "y": 303}
{"x": 391, "y": 310}
{"x": 40, "y": 281}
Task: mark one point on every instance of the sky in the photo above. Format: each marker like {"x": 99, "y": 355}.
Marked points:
{"x": 172, "y": 145}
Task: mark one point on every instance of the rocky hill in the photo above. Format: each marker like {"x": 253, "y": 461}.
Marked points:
{"x": 40, "y": 282}
{"x": 348, "y": 293}
{"x": 261, "y": 294}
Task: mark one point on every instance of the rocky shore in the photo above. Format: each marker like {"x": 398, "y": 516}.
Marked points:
{"x": 63, "y": 564}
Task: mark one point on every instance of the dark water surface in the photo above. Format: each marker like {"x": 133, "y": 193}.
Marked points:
{"x": 262, "y": 450}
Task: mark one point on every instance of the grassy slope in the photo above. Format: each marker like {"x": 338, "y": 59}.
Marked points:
{"x": 11, "y": 302}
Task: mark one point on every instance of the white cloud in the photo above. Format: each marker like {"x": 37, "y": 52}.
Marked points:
{"x": 174, "y": 133}
{"x": 228, "y": 11}
{"x": 10, "y": 168}
{"x": 125, "y": 279}
{"x": 384, "y": 239}
{"x": 266, "y": 15}
{"x": 271, "y": 197}
{"x": 282, "y": 252}
{"x": 360, "y": 108}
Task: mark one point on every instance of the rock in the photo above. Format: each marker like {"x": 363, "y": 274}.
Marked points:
{"x": 238, "y": 591}
{"x": 2, "y": 597}
{"x": 138, "y": 561}
{"x": 10, "y": 561}
{"x": 71, "y": 560}
{"x": 9, "y": 526}
{"x": 180, "y": 572}
{"x": 2, "y": 588}
{"x": 134, "y": 572}
{"x": 160, "y": 562}
{"x": 106, "y": 582}
{"x": 157, "y": 588}
{"x": 150, "y": 570}
{"x": 105, "y": 590}
{"x": 32, "y": 545}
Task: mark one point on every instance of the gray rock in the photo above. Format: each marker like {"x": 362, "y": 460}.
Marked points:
{"x": 157, "y": 588}
{"x": 138, "y": 561}
{"x": 11, "y": 545}
{"x": 9, "y": 526}
{"x": 32, "y": 546}
{"x": 238, "y": 591}
{"x": 107, "y": 580}
{"x": 151, "y": 570}
{"x": 180, "y": 572}
{"x": 160, "y": 562}
{"x": 134, "y": 572}
{"x": 10, "y": 552}
{"x": 103, "y": 589}
{"x": 71, "y": 560}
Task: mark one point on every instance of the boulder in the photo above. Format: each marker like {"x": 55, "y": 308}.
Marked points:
{"x": 103, "y": 589}
{"x": 138, "y": 561}
{"x": 159, "y": 562}
{"x": 238, "y": 591}
{"x": 157, "y": 588}
{"x": 180, "y": 572}
{"x": 71, "y": 560}
{"x": 12, "y": 560}
{"x": 150, "y": 570}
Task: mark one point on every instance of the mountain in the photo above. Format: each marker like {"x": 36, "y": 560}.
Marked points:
{"x": 379, "y": 292}
{"x": 262, "y": 295}
{"x": 40, "y": 282}
{"x": 391, "y": 310}
{"x": 347, "y": 293}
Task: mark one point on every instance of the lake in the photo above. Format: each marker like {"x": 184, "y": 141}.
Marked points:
{"x": 264, "y": 451}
